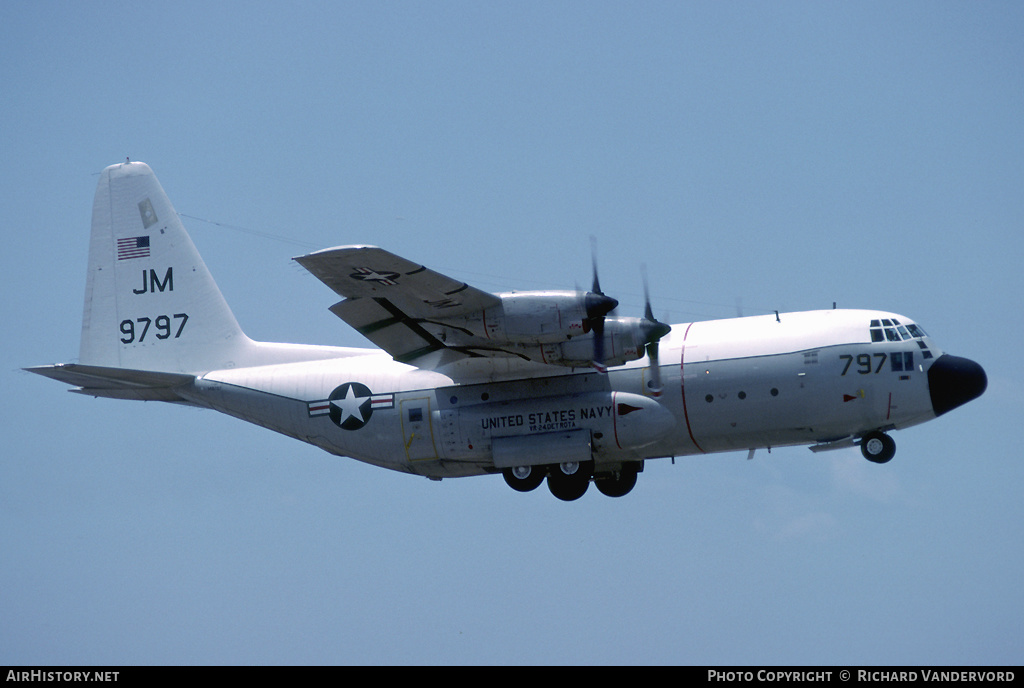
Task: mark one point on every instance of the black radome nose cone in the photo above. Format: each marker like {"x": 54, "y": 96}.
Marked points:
{"x": 953, "y": 381}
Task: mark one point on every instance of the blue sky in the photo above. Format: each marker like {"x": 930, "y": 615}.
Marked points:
{"x": 755, "y": 156}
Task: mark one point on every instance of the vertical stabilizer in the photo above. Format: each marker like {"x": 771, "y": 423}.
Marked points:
{"x": 150, "y": 302}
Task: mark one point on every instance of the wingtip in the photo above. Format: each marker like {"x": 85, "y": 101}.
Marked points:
{"x": 333, "y": 249}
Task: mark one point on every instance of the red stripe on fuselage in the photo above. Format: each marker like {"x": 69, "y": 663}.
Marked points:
{"x": 682, "y": 386}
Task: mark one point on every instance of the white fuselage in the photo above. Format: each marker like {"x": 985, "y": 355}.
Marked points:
{"x": 798, "y": 378}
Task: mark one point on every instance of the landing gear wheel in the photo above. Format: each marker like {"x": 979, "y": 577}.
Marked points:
{"x": 877, "y": 447}
{"x": 618, "y": 483}
{"x": 524, "y": 478}
{"x": 569, "y": 481}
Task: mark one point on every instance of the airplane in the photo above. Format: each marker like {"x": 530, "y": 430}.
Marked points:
{"x": 531, "y": 385}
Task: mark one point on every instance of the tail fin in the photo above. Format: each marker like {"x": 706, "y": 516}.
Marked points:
{"x": 150, "y": 302}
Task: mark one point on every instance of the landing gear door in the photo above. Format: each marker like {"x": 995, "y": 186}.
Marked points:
{"x": 417, "y": 432}
{"x": 537, "y": 450}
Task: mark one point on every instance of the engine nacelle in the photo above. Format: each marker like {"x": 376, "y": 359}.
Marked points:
{"x": 624, "y": 340}
{"x": 535, "y": 317}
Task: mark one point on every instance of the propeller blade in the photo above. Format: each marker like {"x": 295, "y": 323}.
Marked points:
{"x": 597, "y": 331}
{"x": 598, "y": 362}
{"x": 597, "y": 306}
{"x": 652, "y": 355}
{"x": 648, "y": 313}
{"x": 653, "y": 332}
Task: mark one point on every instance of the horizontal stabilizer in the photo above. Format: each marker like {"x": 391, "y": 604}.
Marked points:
{"x": 117, "y": 383}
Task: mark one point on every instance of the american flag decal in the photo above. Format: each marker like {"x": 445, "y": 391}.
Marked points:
{"x": 133, "y": 247}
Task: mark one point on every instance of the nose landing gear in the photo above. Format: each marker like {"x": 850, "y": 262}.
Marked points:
{"x": 877, "y": 447}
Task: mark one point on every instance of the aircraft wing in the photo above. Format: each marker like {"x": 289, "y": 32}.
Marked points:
{"x": 396, "y": 303}
{"x": 370, "y": 272}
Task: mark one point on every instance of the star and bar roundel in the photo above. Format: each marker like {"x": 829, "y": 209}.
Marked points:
{"x": 350, "y": 405}
{"x": 369, "y": 275}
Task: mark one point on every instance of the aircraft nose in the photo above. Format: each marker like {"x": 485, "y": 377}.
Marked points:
{"x": 953, "y": 381}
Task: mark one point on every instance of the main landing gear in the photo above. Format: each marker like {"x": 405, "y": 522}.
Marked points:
{"x": 524, "y": 478}
{"x": 877, "y": 447}
{"x": 569, "y": 481}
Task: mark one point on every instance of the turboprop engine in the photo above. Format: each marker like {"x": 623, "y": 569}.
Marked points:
{"x": 535, "y": 317}
{"x": 623, "y": 340}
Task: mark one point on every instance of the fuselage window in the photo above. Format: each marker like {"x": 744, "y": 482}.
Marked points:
{"x": 902, "y": 361}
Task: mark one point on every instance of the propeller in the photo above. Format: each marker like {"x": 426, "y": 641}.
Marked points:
{"x": 597, "y": 305}
{"x": 652, "y": 331}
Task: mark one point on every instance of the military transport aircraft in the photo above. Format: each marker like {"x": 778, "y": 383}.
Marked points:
{"x": 532, "y": 385}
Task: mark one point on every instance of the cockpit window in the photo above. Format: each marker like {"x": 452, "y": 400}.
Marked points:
{"x": 891, "y": 330}
{"x": 916, "y": 331}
